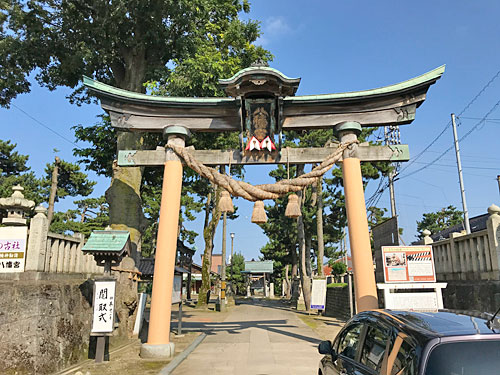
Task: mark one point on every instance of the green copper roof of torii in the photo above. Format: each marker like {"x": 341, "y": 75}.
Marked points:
{"x": 121, "y": 93}
{"x": 110, "y": 91}
{"x": 408, "y": 84}
{"x": 257, "y": 69}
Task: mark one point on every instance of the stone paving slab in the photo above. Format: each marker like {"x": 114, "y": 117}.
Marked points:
{"x": 258, "y": 337}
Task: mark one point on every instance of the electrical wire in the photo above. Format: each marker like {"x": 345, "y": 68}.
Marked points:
{"x": 449, "y": 122}
{"x": 45, "y": 126}
{"x": 452, "y": 146}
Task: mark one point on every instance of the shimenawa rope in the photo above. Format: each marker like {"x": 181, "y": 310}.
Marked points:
{"x": 265, "y": 191}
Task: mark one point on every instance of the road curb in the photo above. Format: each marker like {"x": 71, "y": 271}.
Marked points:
{"x": 182, "y": 356}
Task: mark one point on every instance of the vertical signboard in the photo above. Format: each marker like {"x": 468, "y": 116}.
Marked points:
{"x": 104, "y": 306}
{"x": 318, "y": 294}
{"x": 177, "y": 289}
{"x": 408, "y": 264}
{"x": 13, "y": 249}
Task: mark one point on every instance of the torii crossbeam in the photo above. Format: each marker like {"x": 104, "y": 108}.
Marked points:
{"x": 261, "y": 105}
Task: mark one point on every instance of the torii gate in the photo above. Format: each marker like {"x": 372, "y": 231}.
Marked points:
{"x": 258, "y": 93}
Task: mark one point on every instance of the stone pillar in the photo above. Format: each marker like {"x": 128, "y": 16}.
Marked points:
{"x": 493, "y": 227}
{"x": 158, "y": 344}
{"x": 458, "y": 271}
{"x": 427, "y": 237}
{"x": 37, "y": 241}
{"x": 359, "y": 236}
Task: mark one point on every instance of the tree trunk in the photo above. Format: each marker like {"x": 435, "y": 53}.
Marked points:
{"x": 319, "y": 227}
{"x": 53, "y": 190}
{"x": 287, "y": 283}
{"x": 124, "y": 194}
{"x": 295, "y": 264}
{"x": 308, "y": 255}
{"x": 304, "y": 279}
{"x": 208, "y": 236}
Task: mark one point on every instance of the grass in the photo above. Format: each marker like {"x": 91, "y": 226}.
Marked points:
{"x": 336, "y": 285}
{"x": 310, "y": 321}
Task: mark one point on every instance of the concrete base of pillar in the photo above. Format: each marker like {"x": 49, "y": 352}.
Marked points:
{"x": 161, "y": 351}
{"x": 220, "y": 306}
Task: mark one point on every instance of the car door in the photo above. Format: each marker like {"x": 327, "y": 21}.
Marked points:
{"x": 377, "y": 343}
{"x": 346, "y": 347}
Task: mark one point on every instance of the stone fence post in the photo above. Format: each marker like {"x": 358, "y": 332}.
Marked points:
{"x": 493, "y": 227}
{"x": 427, "y": 237}
{"x": 37, "y": 241}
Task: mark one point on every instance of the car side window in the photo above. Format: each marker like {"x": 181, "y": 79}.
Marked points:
{"x": 405, "y": 361}
{"x": 374, "y": 347}
{"x": 349, "y": 341}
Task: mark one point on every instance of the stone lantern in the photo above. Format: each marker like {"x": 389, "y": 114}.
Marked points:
{"x": 16, "y": 206}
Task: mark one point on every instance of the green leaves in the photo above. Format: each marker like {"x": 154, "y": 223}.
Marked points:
{"x": 71, "y": 181}
{"x": 437, "y": 221}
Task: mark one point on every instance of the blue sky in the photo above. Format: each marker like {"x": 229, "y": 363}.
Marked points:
{"x": 339, "y": 46}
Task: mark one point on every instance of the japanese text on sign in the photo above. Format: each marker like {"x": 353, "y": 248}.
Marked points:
{"x": 12, "y": 248}
{"x": 408, "y": 264}
{"x": 104, "y": 304}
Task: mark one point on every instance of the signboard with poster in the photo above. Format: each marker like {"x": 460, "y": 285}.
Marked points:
{"x": 104, "y": 307}
{"x": 12, "y": 249}
{"x": 408, "y": 264}
{"x": 318, "y": 294}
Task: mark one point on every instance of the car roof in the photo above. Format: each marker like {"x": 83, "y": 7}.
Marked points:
{"x": 428, "y": 325}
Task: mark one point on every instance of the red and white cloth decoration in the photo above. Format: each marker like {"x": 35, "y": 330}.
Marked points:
{"x": 254, "y": 144}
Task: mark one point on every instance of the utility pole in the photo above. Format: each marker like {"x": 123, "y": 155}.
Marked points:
{"x": 498, "y": 179}
{"x": 460, "y": 178}
{"x": 391, "y": 179}
{"x": 232, "y": 261}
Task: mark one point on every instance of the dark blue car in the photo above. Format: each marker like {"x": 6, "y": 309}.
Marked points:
{"x": 389, "y": 342}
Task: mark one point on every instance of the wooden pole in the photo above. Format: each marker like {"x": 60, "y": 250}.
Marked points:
{"x": 364, "y": 276}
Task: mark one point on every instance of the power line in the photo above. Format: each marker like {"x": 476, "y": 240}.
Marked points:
{"x": 449, "y": 122}
{"x": 461, "y": 139}
{"x": 454, "y": 166}
{"x": 45, "y": 126}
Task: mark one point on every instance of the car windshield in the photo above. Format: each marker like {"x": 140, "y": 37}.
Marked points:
{"x": 465, "y": 358}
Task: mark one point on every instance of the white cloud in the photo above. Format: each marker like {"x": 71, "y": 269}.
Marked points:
{"x": 273, "y": 28}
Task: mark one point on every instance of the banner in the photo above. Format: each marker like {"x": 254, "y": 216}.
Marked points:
{"x": 12, "y": 249}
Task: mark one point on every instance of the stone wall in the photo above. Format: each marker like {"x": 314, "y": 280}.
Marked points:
{"x": 337, "y": 302}
{"x": 482, "y": 296}
{"x": 45, "y": 321}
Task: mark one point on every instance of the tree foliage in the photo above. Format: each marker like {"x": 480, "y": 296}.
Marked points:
{"x": 338, "y": 268}
{"x": 437, "y": 221}
{"x": 282, "y": 231}
{"x": 71, "y": 181}
{"x": 90, "y": 214}
{"x": 14, "y": 170}
{"x": 124, "y": 43}
{"x": 237, "y": 278}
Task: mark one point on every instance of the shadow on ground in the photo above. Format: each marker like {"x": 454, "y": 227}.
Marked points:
{"x": 279, "y": 326}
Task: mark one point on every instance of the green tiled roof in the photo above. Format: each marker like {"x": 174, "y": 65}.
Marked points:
{"x": 113, "y": 241}
{"x": 259, "y": 267}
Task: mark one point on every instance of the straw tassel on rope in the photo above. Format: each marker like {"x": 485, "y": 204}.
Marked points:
{"x": 225, "y": 202}
{"x": 259, "y": 213}
{"x": 292, "y": 208}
